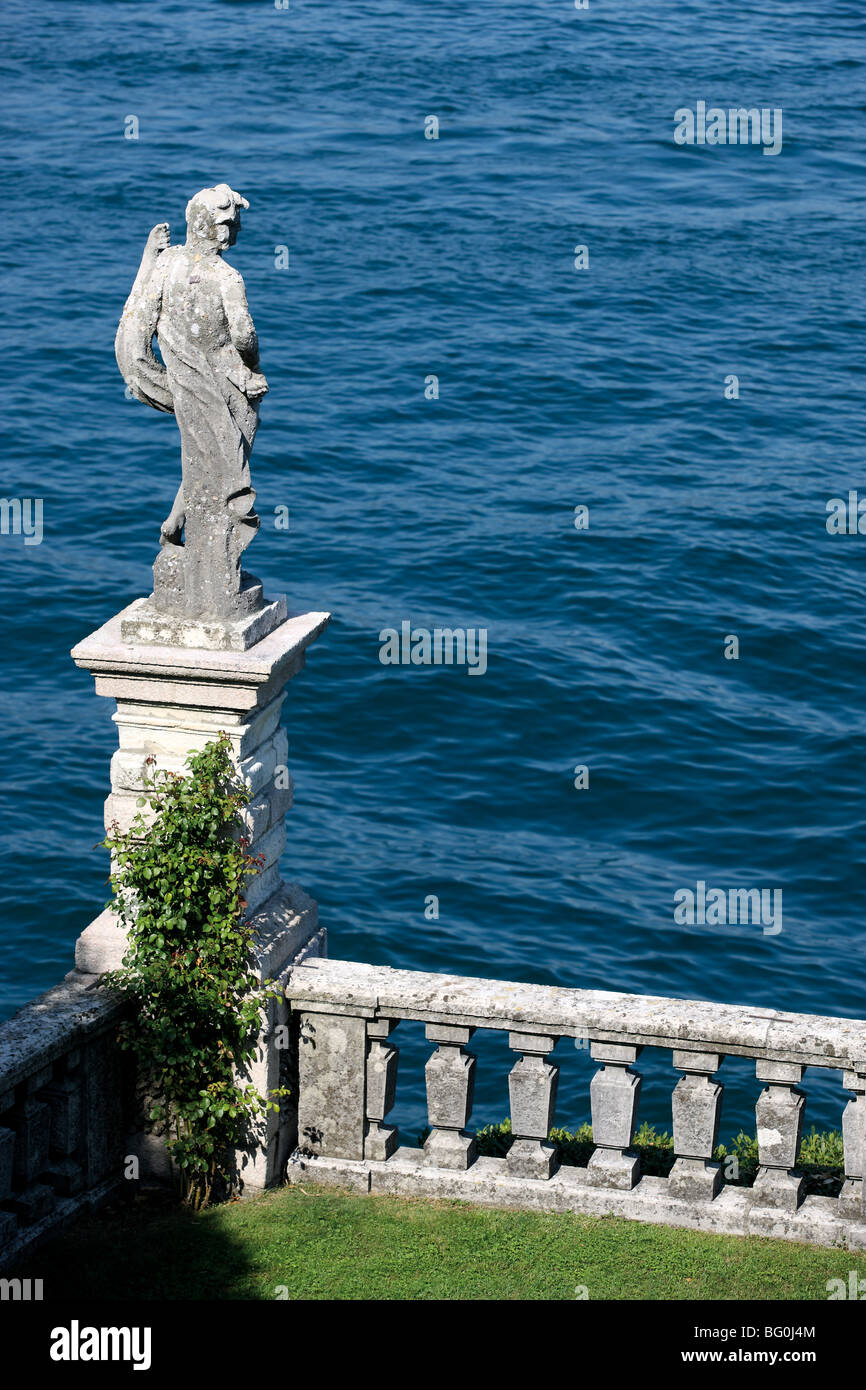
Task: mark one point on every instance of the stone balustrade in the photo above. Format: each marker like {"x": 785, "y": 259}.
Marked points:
{"x": 347, "y": 1073}
{"x": 62, "y": 1125}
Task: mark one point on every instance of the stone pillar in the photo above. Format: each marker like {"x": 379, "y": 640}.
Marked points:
{"x": 532, "y": 1084}
{"x": 332, "y": 1085}
{"x": 851, "y": 1198}
{"x": 696, "y": 1103}
{"x": 450, "y": 1075}
{"x": 380, "y": 1140}
{"x": 779, "y": 1115}
{"x": 614, "y": 1097}
{"x": 171, "y": 701}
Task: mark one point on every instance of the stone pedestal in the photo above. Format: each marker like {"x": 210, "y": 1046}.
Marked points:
{"x": 171, "y": 701}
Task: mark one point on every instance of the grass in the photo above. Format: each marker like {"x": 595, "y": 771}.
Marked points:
{"x": 321, "y": 1244}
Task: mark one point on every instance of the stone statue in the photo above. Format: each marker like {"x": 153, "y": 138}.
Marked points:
{"x": 195, "y": 304}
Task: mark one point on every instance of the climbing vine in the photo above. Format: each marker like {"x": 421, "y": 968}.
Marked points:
{"x": 178, "y": 878}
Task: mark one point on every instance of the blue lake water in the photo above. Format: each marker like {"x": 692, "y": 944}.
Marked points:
{"x": 602, "y": 387}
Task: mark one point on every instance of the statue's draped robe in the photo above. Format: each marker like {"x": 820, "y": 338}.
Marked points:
{"x": 184, "y": 302}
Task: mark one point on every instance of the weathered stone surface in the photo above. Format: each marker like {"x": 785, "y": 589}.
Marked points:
{"x": 534, "y": 1015}
{"x": 282, "y": 928}
{"x": 532, "y": 1158}
{"x": 852, "y": 1132}
{"x": 261, "y": 888}
{"x": 34, "y": 1202}
{"x": 7, "y": 1157}
{"x": 101, "y": 945}
{"x": 175, "y": 730}
{"x": 31, "y": 1122}
{"x": 332, "y": 1058}
{"x": 147, "y": 624}
{"x": 779, "y": 1115}
{"x": 173, "y": 701}
{"x": 450, "y": 1148}
{"x": 450, "y": 1074}
{"x": 696, "y": 1101}
{"x": 54, "y": 1026}
{"x": 102, "y": 1122}
{"x": 63, "y": 1099}
{"x": 622, "y": 1019}
{"x": 38, "y": 1079}
{"x": 614, "y": 1095}
{"x": 268, "y": 847}
{"x": 203, "y": 678}
{"x": 64, "y": 1175}
{"x": 695, "y": 1179}
{"x": 195, "y": 304}
{"x": 450, "y": 1079}
{"x": 532, "y": 1086}
{"x": 380, "y": 1140}
{"x": 778, "y": 1187}
{"x": 613, "y": 1168}
{"x": 696, "y": 1105}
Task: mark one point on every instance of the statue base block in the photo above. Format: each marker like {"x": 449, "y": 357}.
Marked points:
{"x": 144, "y": 623}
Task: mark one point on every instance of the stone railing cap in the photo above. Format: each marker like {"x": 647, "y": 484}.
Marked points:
{"x": 642, "y": 1020}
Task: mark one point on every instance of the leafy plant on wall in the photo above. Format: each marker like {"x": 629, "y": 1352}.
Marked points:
{"x": 178, "y": 879}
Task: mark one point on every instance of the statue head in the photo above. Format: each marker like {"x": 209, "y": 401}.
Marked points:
{"x": 213, "y": 217}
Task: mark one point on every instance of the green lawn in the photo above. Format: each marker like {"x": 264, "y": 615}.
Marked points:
{"x": 321, "y": 1244}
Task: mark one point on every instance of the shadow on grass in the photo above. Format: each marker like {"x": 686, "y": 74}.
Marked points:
{"x": 147, "y": 1248}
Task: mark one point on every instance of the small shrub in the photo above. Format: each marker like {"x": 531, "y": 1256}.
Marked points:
{"x": 821, "y": 1154}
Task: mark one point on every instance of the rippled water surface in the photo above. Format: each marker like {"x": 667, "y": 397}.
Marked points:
{"x": 605, "y": 387}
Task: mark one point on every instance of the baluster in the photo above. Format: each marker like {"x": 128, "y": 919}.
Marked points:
{"x": 31, "y": 1121}
{"x": 450, "y": 1076}
{"x": 63, "y": 1096}
{"x": 8, "y": 1223}
{"x": 7, "y": 1162}
{"x": 779, "y": 1115}
{"x": 851, "y": 1198}
{"x": 380, "y": 1140}
{"x": 614, "y": 1096}
{"x": 532, "y": 1085}
{"x": 696, "y": 1104}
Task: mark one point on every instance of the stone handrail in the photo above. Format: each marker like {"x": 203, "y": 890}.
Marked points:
{"x": 61, "y": 1110}
{"x": 347, "y": 1078}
